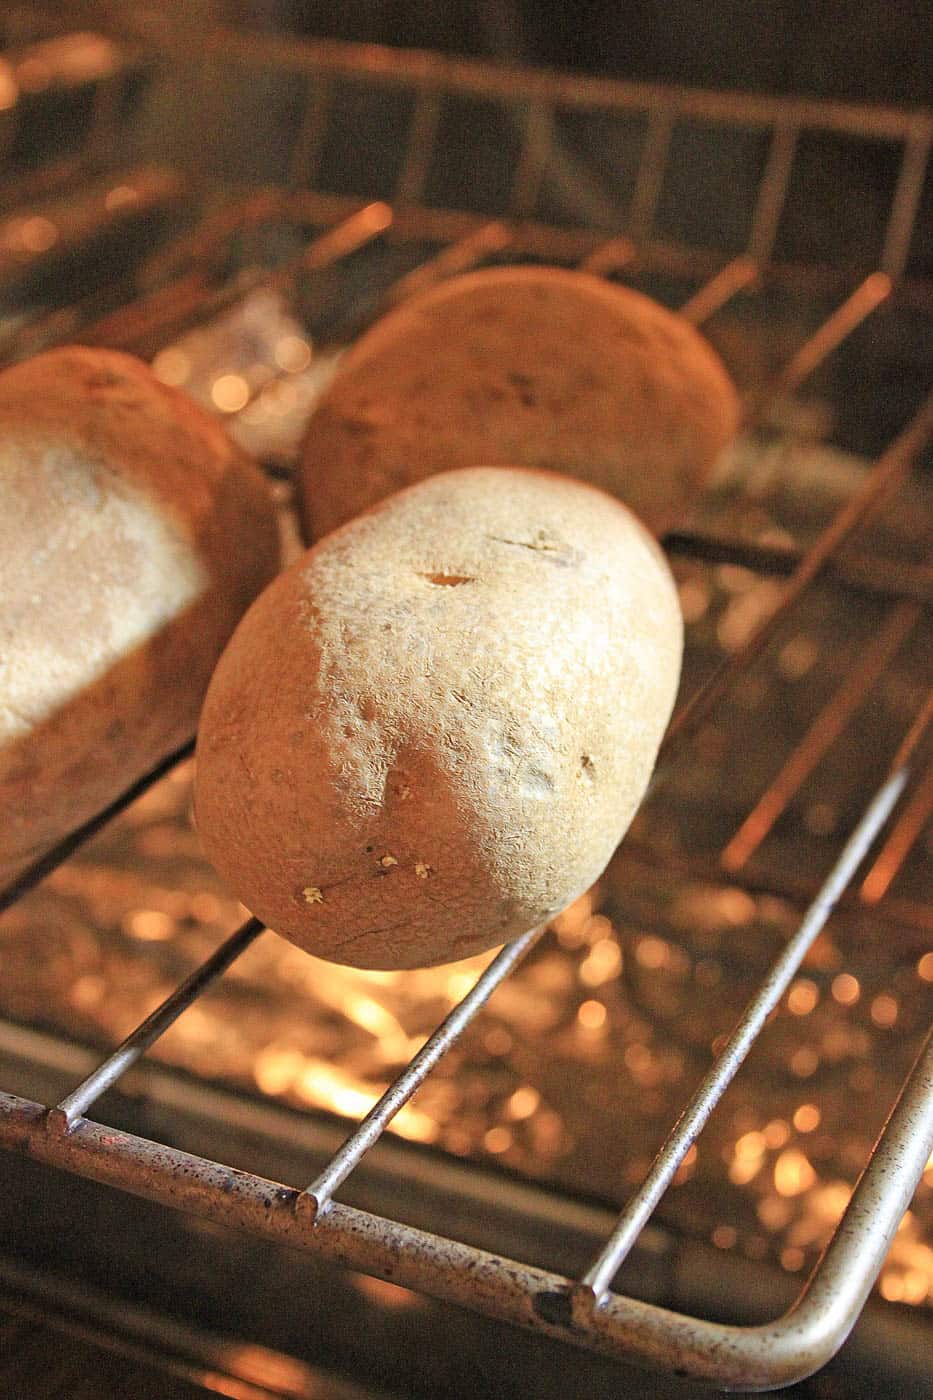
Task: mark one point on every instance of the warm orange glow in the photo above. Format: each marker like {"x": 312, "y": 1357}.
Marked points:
{"x": 845, "y": 989}
{"x": 120, "y": 196}
{"x": 597, "y": 928}
{"x": 750, "y": 1145}
{"x": 804, "y": 1062}
{"x": 603, "y": 962}
{"x": 414, "y": 1125}
{"x": 797, "y": 657}
{"x": 230, "y": 393}
{"x": 33, "y": 75}
{"x": 87, "y": 992}
{"x": 748, "y": 1158}
{"x": 777, "y": 1133}
{"x": 388, "y": 1295}
{"x": 371, "y": 1016}
{"x": 653, "y": 952}
{"x": 570, "y": 924}
{"x": 694, "y": 599}
{"x": 497, "y": 1041}
{"x": 78, "y": 57}
{"x": 498, "y": 1139}
{"x": 323, "y": 1085}
{"x": 745, "y": 611}
{"x": 523, "y": 1103}
{"x": 774, "y": 1213}
{"x": 906, "y": 830}
{"x": 592, "y": 1015}
{"x": 276, "y": 1069}
{"x": 38, "y": 234}
{"x": 884, "y": 1010}
{"x": 916, "y": 1286}
{"x": 206, "y": 908}
{"x": 807, "y": 1118}
{"x": 266, "y": 1367}
{"x": 908, "y": 1273}
{"x": 644, "y": 1064}
{"x": 828, "y": 1202}
{"x": 292, "y": 354}
{"x": 9, "y": 91}
{"x": 736, "y": 907}
{"x": 793, "y": 1173}
{"x": 803, "y": 997}
{"x": 229, "y": 1386}
{"x": 329, "y": 1038}
{"x": 458, "y": 984}
{"x": 34, "y": 234}
{"x": 149, "y": 925}
{"x": 320, "y": 1084}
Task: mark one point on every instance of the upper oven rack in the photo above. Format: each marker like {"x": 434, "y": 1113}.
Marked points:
{"x": 584, "y": 1311}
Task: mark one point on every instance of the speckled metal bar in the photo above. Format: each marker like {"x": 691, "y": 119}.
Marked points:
{"x": 759, "y": 1358}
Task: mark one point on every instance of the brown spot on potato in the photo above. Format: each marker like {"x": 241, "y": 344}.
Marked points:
{"x": 448, "y": 580}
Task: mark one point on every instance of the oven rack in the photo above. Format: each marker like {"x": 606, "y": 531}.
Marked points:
{"x": 583, "y": 1311}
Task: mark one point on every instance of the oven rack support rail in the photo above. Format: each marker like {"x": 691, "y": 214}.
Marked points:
{"x": 582, "y": 1311}
{"x": 585, "y": 1311}
{"x": 533, "y": 100}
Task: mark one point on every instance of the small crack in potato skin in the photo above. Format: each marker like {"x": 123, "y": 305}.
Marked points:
{"x": 441, "y": 765}
{"x": 522, "y": 366}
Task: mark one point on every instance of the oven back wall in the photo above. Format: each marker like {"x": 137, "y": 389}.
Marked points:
{"x": 838, "y": 48}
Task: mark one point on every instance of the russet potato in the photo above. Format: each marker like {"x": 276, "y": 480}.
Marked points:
{"x": 522, "y": 366}
{"x": 430, "y": 733}
{"x": 133, "y": 535}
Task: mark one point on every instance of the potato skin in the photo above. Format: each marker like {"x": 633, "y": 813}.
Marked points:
{"x": 430, "y": 733}
{"x": 133, "y": 536}
{"x": 525, "y": 366}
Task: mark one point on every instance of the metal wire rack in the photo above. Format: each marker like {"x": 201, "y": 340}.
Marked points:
{"x": 179, "y": 288}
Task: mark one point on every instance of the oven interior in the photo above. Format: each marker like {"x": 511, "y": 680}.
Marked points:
{"x": 236, "y": 208}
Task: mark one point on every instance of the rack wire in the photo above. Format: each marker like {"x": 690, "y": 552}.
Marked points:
{"x": 178, "y": 289}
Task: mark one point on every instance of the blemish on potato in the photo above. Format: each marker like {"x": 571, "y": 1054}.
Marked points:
{"x": 448, "y": 580}
{"x": 313, "y": 894}
{"x": 422, "y": 870}
{"x": 546, "y": 547}
{"x": 387, "y": 861}
{"x": 536, "y": 783}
